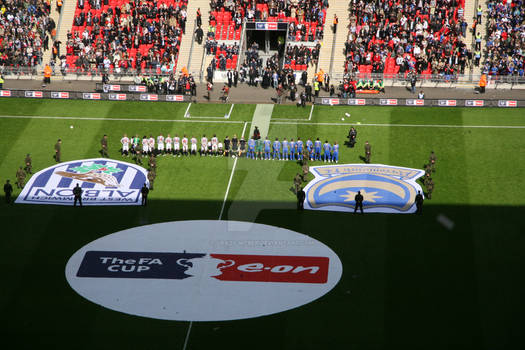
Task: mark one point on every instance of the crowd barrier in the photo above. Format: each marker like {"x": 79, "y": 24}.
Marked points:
{"x": 111, "y": 96}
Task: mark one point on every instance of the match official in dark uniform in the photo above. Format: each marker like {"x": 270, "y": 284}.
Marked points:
{"x": 77, "y": 192}
{"x": 358, "y": 202}
{"x": 301, "y": 195}
{"x": 419, "y": 202}
{"x": 8, "y": 190}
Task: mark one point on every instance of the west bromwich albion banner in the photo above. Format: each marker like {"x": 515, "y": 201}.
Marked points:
{"x": 103, "y": 181}
{"x": 385, "y": 188}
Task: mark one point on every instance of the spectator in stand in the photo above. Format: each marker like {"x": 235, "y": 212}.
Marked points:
{"x": 23, "y": 27}
{"x": 505, "y": 49}
{"x": 417, "y": 36}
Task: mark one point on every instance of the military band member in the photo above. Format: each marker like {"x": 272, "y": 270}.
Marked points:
{"x": 104, "y": 145}
{"x": 306, "y": 169}
{"x": 169, "y": 144}
{"x": 358, "y": 202}
{"x": 176, "y": 145}
{"x": 297, "y": 181}
{"x": 368, "y": 152}
{"x": 193, "y": 146}
{"x": 432, "y": 160}
{"x": 185, "y": 145}
{"x": 20, "y": 178}
{"x": 242, "y": 148}
{"x": 429, "y": 184}
{"x": 29, "y": 164}
{"x": 160, "y": 145}
{"x": 151, "y": 145}
{"x": 145, "y": 146}
{"x": 204, "y": 145}
{"x": 125, "y": 145}
{"x": 137, "y": 155}
{"x": 428, "y": 170}
{"x": 214, "y": 144}
{"x": 152, "y": 162}
{"x": 151, "y": 178}
{"x": 58, "y": 150}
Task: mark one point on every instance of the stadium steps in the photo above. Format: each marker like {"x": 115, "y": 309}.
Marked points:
{"x": 341, "y": 9}
{"x": 470, "y": 16}
{"x": 56, "y": 17}
{"x": 185, "y": 47}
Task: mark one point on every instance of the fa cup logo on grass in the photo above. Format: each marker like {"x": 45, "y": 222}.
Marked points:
{"x": 385, "y": 188}
{"x": 205, "y": 266}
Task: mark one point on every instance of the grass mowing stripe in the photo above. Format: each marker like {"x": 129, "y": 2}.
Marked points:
{"x": 122, "y": 119}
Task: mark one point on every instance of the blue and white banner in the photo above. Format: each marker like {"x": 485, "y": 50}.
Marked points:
{"x": 265, "y": 25}
{"x": 385, "y": 188}
{"x": 103, "y": 182}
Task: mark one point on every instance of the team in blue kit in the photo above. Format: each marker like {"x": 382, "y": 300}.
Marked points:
{"x": 292, "y": 149}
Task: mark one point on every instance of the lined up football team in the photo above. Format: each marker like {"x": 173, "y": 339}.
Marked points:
{"x": 254, "y": 148}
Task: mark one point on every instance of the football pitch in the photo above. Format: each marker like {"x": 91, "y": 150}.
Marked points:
{"x": 451, "y": 278}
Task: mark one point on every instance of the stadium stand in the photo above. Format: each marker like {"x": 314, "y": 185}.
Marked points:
{"x": 116, "y": 35}
{"x": 226, "y": 56}
{"x": 299, "y": 57}
{"x": 24, "y": 29}
{"x": 401, "y": 36}
{"x": 505, "y": 50}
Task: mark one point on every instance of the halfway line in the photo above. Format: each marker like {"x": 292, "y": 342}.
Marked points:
{"x": 187, "y": 120}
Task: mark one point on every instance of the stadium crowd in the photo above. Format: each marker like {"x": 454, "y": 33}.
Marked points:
{"x": 25, "y": 27}
{"x": 505, "y": 50}
{"x": 299, "y": 57}
{"x": 116, "y": 34}
{"x": 402, "y": 36}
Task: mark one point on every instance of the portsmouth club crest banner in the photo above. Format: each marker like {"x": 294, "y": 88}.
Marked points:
{"x": 103, "y": 182}
{"x": 385, "y": 188}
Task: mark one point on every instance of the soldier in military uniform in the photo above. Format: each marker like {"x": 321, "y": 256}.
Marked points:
{"x": 152, "y": 162}
{"x": 137, "y": 155}
{"x": 428, "y": 170}
{"x": 104, "y": 145}
{"x": 20, "y": 178}
{"x": 306, "y": 168}
{"x": 432, "y": 160}
{"x": 352, "y": 136}
{"x": 297, "y": 181}
{"x": 368, "y": 152}
{"x": 151, "y": 178}
{"x": 28, "y": 163}
{"x": 429, "y": 184}
{"x": 58, "y": 147}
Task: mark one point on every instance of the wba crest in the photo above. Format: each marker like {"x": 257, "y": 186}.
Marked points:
{"x": 385, "y": 188}
{"x": 103, "y": 182}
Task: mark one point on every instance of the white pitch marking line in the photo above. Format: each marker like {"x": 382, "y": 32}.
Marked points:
{"x": 194, "y": 117}
{"x": 230, "y": 112}
{"x": 231, "y": 177}
{"x": 311, "y": 111}
{"x": 123, "y": 119}
{"x": 220, "y": 216}
{"x": 412, "y": 125}
{"x": 187, "y": 109}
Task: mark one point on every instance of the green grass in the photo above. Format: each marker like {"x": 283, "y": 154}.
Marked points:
{"x": 408, "y": 283}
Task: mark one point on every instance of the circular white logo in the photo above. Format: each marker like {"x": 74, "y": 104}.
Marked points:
{"x": 203, "y": 270}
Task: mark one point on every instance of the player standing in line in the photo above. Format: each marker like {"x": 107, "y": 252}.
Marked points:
{"x": 151, "y": 144}
{"x": 169, "y": 144}
{"x": 293, "y": 147}
{"x": 335, "y": 154}
{"x": 242, "y": 148}
{"x": 125, "y": 145}
{"x": 204, "y": 145}
{"x": 176, "y": 145}
{"x": 310, "y": 149}
{"x": 276, "y": 149}
{"x": 251, "y": 148}
{"x": 145, "y": 146}
{"x": 227, "y": 147}
{"x": 258, "y": 148}
{"x": 235, "y": 144}
{"x": 299, "y": 149}
{"x": 267, "y": 148}
{"x": 134, "y": 143}
{"x": 185, "y": 145}
{"x": 220, "y": 149}
{"x": 317, "y": 149}
{"x": 285, "y": 149}
{"x": 160, "y": 145}
{"x": 214, "y": 144}
{"x": 327, "y": 149}
{"x": 193, "y": 146}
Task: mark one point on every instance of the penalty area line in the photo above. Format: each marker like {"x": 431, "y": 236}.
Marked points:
{"x": 187, "y": 110}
